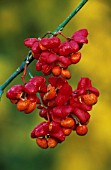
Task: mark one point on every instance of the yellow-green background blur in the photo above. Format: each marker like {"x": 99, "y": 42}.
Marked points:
{"x": 20, "y": 19}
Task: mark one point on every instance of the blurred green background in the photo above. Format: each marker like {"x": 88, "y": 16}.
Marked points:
{"x": 21, "y": 19}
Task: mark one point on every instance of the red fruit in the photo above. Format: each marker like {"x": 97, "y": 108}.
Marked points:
{"x": 30, "y": 41}
{"x": 81, "y": 130}
{"x": 43, "y": 43}
{"x": 74, "y": 46}
{"x": 30, "y": 88}
{"x": 42, "y": 47}
{"x": 61, "y": 112}
{"x": 46, "y": 69}
{"x": 23, "y": 104}
{"x": 82, "y": 115}
{"x": 51, "y": 129}
{"x": 37, "y": 80}
{"x": 68, "y": 122}
{"x": 42, "y": 142}
{"x": 49, "y": 43}
{"x": 80, "y": 36}
{"x": 56, "y": 70}
{"x": 65, "y": 74}
{"x": 90, "y": 99}
{"x": 64, "y": 61}
{"x": 54, "y": 41}
{"x": 57, "y": 82}
{"x": 52, "y": 143}
{"x": 38, "y": 66}
{"x": 36, "y": 55}
{"x": 77, "y": 102}
{"x": 51, "y": 103}
{"x": 43, "y": 88}
{"x": 33, "y": 98}
{"x": 48, "y": 57}
{"x": 15, "y": 92}
{"x": 52, "y": 58}
{"x": 63, "y": 94}
{"x": 43, "y": 113}
{"x": 35, "y": 47}
{"x": 65, "y": 48}
{"x": 85, "y": 85}
{"x": 75, "y": 58}
{"x": 44, "y": 55}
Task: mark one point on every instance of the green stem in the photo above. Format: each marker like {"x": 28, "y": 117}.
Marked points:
{"x": 30, "y": 58}
{"x": 71, "y": 15}
{"x": 29, "y": 72}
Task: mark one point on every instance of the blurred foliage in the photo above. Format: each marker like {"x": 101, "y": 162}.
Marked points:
{"x": 22, "y": 19}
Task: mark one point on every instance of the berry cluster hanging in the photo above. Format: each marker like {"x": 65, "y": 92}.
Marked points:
{"x": 64, "y": 109}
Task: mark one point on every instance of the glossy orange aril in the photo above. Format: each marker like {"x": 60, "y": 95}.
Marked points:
{"x": 52, "y": 142}
{"x": 90, "y": 99}
{"x": 23, "y": 104}
{"x": 65, "y": 74}
{"x": 56, "y": 70}
{"x": 67, "y": 131}
{"x": 81, "y": 130}
{"x": 42, "y": 142}
{"x": 30, "y": 108}
{"x": 68, "y": 122}
{"x": 50, "y": 94}
{"x": 75, "y": 58}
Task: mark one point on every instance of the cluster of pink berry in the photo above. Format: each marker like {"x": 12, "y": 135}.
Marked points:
{"x": 64, "y": 109}
{"x": 54, "y": 56}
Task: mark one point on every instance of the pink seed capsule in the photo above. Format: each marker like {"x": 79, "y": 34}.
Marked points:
{"x": 15, "y": 92}
{"x": 30, "y": 88}
{"x": 30, "y": 41}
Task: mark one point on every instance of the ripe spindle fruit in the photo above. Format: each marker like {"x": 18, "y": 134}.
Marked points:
{"x": 15, "y": 92}
{"x": 63, "y": 109}
{"x": 49, "y": 43}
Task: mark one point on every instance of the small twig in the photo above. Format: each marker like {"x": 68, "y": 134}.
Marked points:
{"x": 29, "y": 72}
{"x": 71, "y": 15}
{"x": 24, "y": 74}
{"x": 19, "y": 70}
{"x": 62, "y": 35}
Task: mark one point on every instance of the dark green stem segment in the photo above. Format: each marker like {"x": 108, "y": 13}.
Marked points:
{"x": 30, "y": 58}
{"x": 71, "y": 15}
